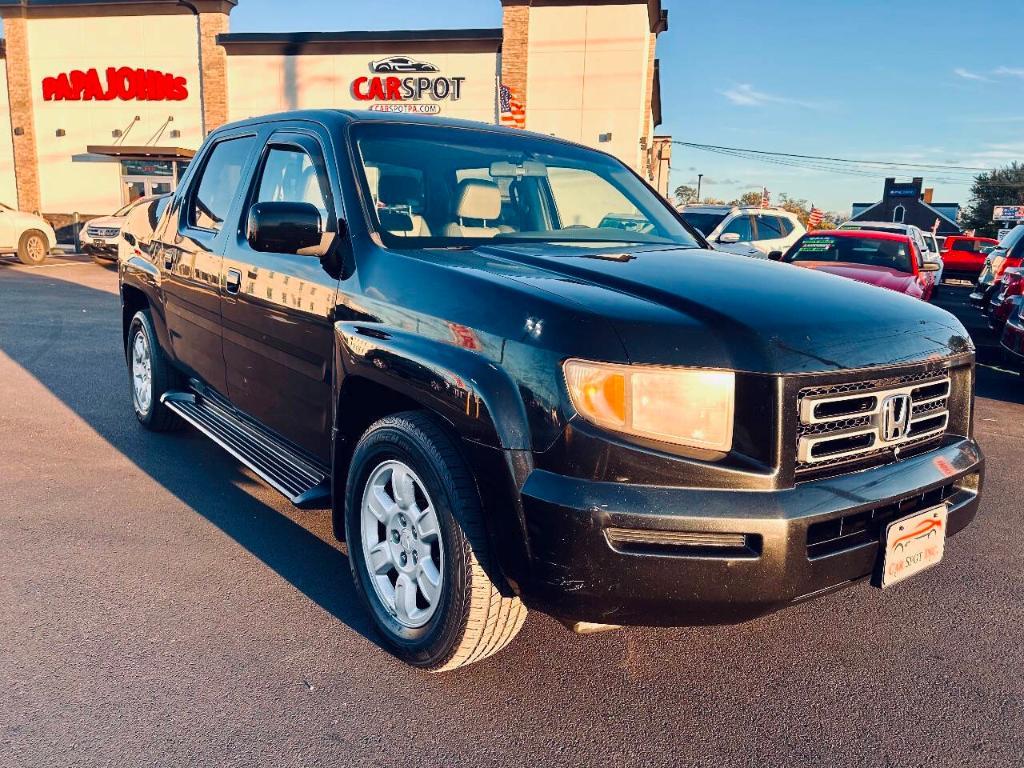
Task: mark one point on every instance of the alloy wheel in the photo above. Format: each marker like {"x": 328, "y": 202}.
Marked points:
{"x": 401, "y": 542}
{"x": 142, "y": 373}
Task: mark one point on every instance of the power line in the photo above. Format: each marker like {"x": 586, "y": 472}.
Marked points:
{"x": 940, "y": 166}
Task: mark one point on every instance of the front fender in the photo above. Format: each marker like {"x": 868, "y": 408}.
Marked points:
{"x": 471, "y": 392}
{"x": 477, "y": 396}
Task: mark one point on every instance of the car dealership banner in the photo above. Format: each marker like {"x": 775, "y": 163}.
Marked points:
{"x": 1008, "y": 213}
{"x": 405, "y": 84}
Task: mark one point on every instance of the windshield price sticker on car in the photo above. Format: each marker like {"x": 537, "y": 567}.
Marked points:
{"x": 913, "y": 545}
{"x": 816, "y": 244}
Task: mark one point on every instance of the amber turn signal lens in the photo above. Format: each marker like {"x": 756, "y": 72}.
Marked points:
{"x": 675, "y": 405}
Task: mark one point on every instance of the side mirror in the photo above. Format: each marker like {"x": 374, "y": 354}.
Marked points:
{"x": 729, "y": 237}
{"x": 279, "y": 227}
{"x": 775, "y": 255}
{"x": 930, "y": 266}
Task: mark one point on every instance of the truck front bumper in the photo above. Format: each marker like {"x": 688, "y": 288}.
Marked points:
{"x": 620, "y": 554}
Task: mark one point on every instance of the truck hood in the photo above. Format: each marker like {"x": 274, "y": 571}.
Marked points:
{"x": 692, "y": 307}
{"x": 883, "y": 277}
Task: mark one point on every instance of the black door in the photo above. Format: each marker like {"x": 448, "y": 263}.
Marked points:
{"x": 278, "y": 308}
{"x": 190, "y": 257}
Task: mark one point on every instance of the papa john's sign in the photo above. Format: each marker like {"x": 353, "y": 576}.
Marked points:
{"x": 124, "y": 83}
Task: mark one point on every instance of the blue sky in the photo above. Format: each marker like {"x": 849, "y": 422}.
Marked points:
{"x": 937, "y": 81}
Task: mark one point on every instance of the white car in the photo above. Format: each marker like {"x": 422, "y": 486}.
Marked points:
{"x": 29, "y": 236}
{"x": 748, "y": 231}
{"x": 925, "y": 241}
{"x": 101, "y": 237}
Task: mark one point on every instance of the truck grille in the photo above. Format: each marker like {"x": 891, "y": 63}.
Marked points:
{"x": 103, "y": 231}
{"x": 864, "y": 420}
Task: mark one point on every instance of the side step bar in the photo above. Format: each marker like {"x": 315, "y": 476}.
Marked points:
{"x": 302, "y": 480}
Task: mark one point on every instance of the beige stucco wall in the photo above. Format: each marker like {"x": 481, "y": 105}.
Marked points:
{"x": 259, "y": 84}
{"x": 8, "y": 188}
{"x": 588, "y": 75}
{"x": 70, "y": 180}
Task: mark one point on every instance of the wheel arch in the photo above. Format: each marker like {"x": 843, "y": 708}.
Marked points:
{"x": 381, "y": 371}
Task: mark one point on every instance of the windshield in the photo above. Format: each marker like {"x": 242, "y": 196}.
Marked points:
{"x": 442, "y": 187}
{"x": 872, "y": 252}
{"x": 125, "y": 211}
{"x": 705, "y": 223}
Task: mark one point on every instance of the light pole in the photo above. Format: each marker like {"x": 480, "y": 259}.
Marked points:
{"x": 700, "y": 176}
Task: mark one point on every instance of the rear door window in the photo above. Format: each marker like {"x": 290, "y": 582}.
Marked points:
{"x": 769, "y": 228}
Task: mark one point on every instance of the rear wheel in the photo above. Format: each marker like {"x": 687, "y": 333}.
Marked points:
{"x": 33, "y": 248}
{"x": 418, "y": 550}
{"x": 150, "y": 375}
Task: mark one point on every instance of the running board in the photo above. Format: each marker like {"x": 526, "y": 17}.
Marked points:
{"x": 303, "y": 481}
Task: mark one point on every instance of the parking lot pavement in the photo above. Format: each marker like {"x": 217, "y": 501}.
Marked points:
{"x": 159, "y": 606}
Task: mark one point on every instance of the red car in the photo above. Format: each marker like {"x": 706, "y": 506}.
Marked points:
{"x": 965, "y": 256}
{"x": 886, "y": 259}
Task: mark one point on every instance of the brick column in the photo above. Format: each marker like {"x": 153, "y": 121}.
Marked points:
{"x": 19, "y": 86}
{"x": 215, "y": 69}
{"x": 515, "y": 50}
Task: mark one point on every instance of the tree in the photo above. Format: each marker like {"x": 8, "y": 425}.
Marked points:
{"x": 685, "y": 194}
{"x": 748, "y": 198}
{"x": 1003, "y": 186}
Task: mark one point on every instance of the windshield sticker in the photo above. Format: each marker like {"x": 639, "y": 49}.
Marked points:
{"x": 817, "y": 244}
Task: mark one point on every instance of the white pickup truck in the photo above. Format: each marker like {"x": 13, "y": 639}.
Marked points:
{"x": 29, "y": 236}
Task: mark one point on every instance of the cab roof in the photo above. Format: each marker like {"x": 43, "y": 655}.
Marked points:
{"x": 340, "y": 117}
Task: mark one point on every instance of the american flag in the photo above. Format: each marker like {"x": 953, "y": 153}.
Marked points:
{"x": 815, "y": 217}
{"x": 766, "y": 197}
{"x": 513, "y": 113}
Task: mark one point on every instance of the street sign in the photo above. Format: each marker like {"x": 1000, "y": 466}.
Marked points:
{"x": 1008, "y": 213}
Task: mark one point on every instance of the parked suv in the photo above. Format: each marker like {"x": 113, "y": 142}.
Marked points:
{"x": 28, "y": 236}
{"x": 748, "y": 231}
{"x": 101, "y": 237}
{"x": 422, "y": 325}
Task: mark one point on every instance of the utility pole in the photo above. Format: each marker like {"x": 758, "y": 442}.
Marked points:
{"x": 700, "y": 176}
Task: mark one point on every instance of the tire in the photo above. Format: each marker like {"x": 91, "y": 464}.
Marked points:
{"x": 146, "y": 394}
{"x": 33, "y": 248}
{"x": 472, "y": 616}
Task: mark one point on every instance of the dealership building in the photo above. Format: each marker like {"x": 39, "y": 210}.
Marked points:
{"x": 109, "y": 99}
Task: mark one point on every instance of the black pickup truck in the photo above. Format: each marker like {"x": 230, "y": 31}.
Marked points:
{"x": 429, "y": 328}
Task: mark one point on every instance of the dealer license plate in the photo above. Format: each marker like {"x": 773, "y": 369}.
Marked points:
{"x": 913, "y": 544}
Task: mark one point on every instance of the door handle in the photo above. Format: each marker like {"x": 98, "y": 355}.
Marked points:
{"x": 234, "y": 281}
{"x": 168, "y": 258}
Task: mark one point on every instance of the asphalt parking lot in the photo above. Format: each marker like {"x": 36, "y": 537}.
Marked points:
{"x": 159, "y": 606}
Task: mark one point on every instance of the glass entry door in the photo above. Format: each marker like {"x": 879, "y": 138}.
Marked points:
{"x": 144, "y": 178}
{"x": 144, "y": 186}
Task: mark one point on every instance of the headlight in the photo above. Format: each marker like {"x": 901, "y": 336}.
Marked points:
{"x": 675, "y": 405}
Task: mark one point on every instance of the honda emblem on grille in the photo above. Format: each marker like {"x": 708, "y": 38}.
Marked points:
{"x": 895, "y": 417}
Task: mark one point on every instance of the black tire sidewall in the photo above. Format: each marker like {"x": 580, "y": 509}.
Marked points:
{"x": 437, "y": 639}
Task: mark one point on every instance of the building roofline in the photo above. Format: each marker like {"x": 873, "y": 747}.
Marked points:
{"x": 656, "y": 15}
{"x": 78, "y": 8}
{"x": 930, "y": 206}
{"x": 293, "y": 43}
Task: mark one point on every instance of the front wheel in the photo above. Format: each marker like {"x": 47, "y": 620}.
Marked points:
{"x": 33, "y": 248}
{"x": 418, "y": 550}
